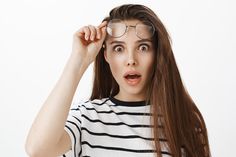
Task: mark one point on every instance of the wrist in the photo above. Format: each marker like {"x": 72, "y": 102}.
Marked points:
{"x": 76, "y": 65}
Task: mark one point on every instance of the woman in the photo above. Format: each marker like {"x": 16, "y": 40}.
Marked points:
{"x": 138, "y": 107}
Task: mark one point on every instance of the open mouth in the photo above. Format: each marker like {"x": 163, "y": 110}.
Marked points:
{"x": 132, "y": 78}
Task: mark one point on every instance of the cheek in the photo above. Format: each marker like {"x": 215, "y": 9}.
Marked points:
{"x": 148, "y": 64}
{"x": 115, "y": 65}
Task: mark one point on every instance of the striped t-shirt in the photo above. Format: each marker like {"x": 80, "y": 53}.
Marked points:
{"x": 111, "y": 128}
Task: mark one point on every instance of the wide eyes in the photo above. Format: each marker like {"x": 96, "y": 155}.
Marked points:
{"x": 118, "y": 48}
{"x": 141, "y": 48}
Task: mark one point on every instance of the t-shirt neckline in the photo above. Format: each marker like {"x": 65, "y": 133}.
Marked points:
{"x": 128, "y": 103}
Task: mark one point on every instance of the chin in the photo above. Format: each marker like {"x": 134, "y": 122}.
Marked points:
{"x": 134, "y": 91}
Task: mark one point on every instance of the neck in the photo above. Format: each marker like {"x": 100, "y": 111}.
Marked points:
{"x": 130, "y": 97}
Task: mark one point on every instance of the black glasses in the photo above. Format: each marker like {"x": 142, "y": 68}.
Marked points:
{"x": 117, "y": 28}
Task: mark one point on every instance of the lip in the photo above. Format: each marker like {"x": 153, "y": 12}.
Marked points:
{"x": 132, "y": 72}
{"x": 134, "y": 81}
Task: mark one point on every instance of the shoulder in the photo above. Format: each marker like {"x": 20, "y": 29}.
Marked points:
{"x": 99, "y": 102}
{"x": 89, "y": 104}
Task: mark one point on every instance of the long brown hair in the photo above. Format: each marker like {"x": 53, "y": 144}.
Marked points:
{"x": 182, "y": 123}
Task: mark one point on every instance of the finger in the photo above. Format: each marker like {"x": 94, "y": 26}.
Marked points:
{"x": 80, "y": 33}
{"x": 99, "y": 29}
{"x": 87, "y": 32}
{"x": 103, "y": 34}
{"x": 99, "y": 33}
{"x": 104, "y": 23}
{"x": 93, "y": 32}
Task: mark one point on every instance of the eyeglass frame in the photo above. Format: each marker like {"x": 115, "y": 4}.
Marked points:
{"x": 133, "y": 26}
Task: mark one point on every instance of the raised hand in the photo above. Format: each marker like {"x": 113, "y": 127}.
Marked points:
{"x": 88, "y": 40}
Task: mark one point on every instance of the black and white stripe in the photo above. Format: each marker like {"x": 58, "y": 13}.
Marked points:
{"x": 109, "y": 127}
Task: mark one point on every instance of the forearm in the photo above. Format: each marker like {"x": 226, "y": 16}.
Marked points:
{"x": 49, "y": 124}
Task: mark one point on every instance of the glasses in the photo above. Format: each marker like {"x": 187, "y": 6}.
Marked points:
{"x": 117, "y": 28}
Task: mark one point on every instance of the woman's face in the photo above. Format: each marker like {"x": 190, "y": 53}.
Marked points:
{"x": 131, "y": 62}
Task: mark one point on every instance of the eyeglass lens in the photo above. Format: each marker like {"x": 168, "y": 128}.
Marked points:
{"x": 116, "y": 28}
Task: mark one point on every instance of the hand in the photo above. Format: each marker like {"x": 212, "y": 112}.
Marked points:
{"x": 88, "y": 40}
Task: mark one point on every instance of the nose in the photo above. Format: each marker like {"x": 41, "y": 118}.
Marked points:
{"x": 131, "y": 61}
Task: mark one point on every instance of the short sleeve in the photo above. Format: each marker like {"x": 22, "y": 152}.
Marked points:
{"x": 73, "y": 128}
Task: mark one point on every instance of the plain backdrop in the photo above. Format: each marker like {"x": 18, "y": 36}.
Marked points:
{"x": 36, "y": 39}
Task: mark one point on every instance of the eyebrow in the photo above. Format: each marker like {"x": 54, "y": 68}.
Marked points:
{"x": 122, "y": 42}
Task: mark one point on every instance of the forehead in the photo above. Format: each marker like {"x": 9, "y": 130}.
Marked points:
{"x": 132, "y": 22}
